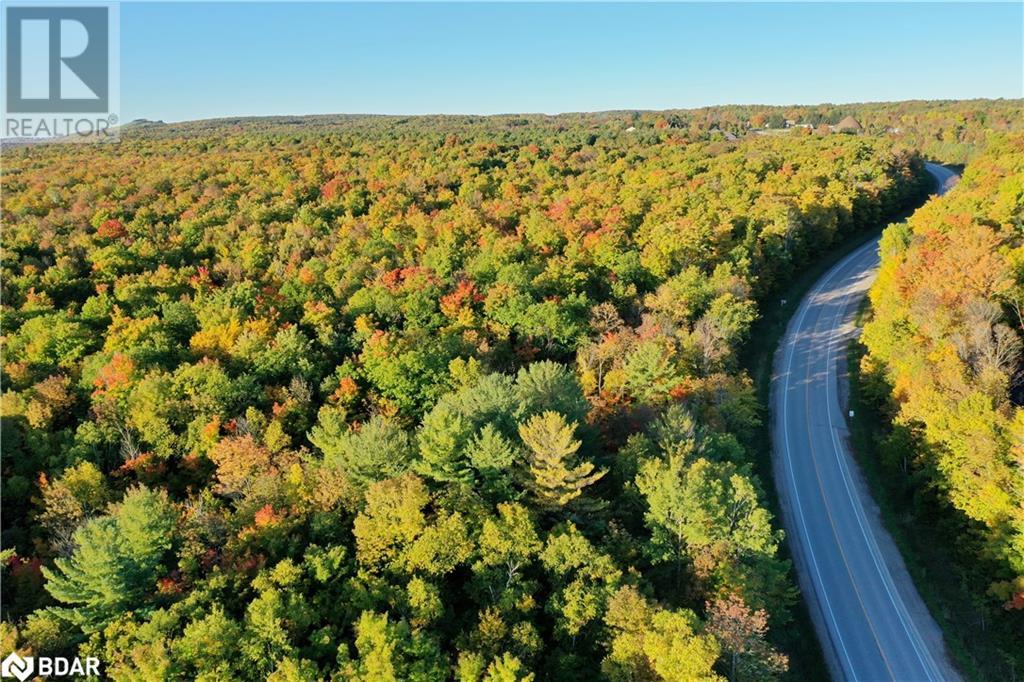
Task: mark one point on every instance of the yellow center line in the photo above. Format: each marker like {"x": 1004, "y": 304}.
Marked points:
{"x": 828, "y": 510}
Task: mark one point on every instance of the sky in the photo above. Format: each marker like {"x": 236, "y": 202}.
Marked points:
{"x": 184, "y": 61}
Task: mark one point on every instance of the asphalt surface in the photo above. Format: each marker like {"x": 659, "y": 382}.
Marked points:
{"x": 868, "y": 615}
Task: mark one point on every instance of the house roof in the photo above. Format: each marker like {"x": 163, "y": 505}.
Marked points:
{"x": 848, "y": 123}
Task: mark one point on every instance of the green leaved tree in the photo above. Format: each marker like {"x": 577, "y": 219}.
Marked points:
{"x": 652, "y": 643}
{"x": 117, "y": 560}
{"x": 378, "y": 450}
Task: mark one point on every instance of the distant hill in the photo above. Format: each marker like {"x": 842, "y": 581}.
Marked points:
{"x": 142, "y": 123}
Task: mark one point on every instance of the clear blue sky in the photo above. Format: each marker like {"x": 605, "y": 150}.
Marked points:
{"x": 195, "y": 60}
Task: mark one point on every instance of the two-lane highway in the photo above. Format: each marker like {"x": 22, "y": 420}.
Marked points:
{"x": 869, "y": 617}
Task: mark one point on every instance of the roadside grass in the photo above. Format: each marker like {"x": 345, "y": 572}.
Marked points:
{"x": 929, "y": 535}
{"x": 799, "y": 640}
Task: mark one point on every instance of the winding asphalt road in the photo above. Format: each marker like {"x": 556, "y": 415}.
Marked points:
{"x": 868, "y": 615}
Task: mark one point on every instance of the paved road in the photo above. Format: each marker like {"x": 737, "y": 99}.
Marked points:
{"x": 868, "y": 615}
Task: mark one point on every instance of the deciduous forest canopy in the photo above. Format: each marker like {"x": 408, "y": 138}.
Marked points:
{"x": 944, "y": 359}
{"x": 460, "y": 397}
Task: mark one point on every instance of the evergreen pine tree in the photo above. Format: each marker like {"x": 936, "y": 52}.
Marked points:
{"x": 555, "y": 476}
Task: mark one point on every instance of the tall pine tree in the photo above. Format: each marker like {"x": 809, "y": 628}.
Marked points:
{"x": 557, "y": 476}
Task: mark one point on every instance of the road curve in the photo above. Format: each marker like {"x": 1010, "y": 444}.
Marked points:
{"x": 869, "y": 617}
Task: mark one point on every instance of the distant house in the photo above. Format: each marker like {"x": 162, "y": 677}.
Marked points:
{"x": 724, "y": 133}
{"x": 848, "y": 125}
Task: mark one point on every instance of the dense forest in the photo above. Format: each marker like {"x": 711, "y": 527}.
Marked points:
{"x": 944, "y": 361}
{"x": 378, "y": 398}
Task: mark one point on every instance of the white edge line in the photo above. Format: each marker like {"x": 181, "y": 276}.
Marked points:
{"x": 913, "y": 635}
{"x": 805, "y": 305}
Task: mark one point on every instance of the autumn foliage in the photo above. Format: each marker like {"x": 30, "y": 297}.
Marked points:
{"x": 431, "y": 398}
{"x": 944, "y": 359}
